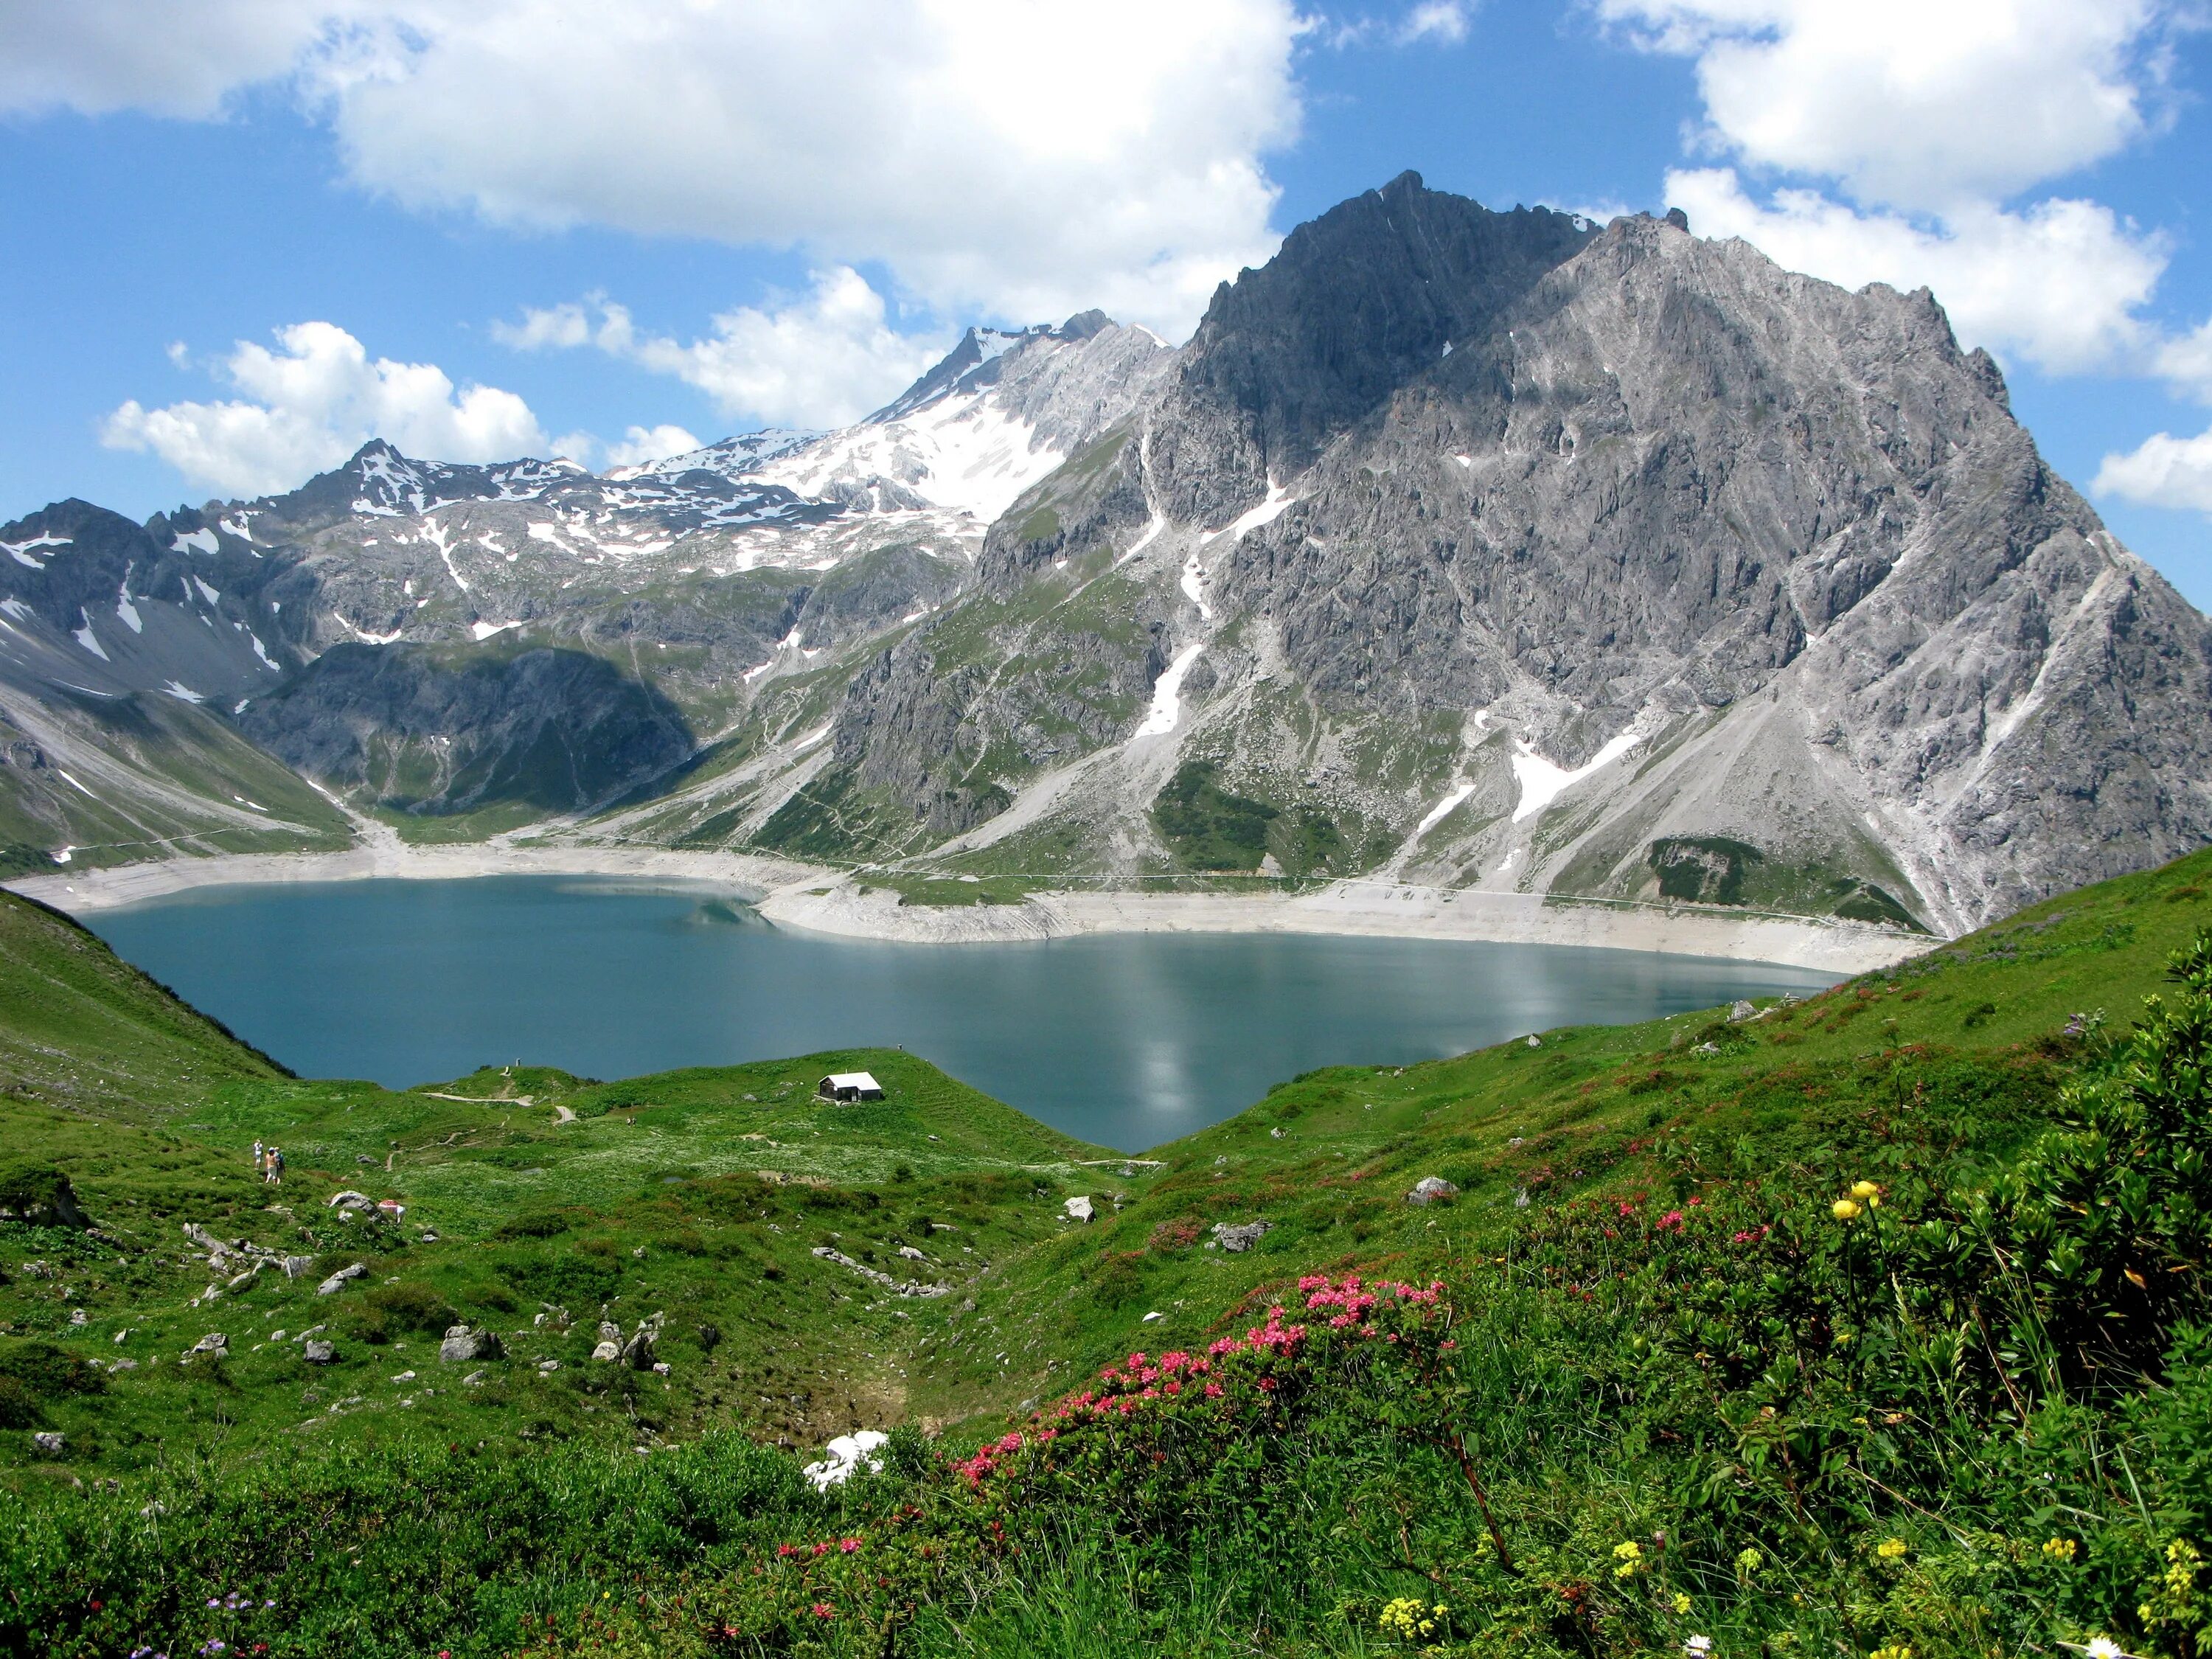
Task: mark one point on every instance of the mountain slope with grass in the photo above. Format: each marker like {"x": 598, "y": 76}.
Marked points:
{"x": 1865, "y": 1323}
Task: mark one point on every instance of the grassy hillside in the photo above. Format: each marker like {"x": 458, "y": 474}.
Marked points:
{"x": 1665, "y": 1389}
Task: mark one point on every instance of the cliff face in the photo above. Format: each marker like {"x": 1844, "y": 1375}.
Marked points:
{"x": 1451, "y": 504}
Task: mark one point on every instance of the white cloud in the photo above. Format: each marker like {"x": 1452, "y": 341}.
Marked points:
{"x": 310, "y": 404}
{"x": 1445, "y": 21}
{"x": 2059, "y": 284}
{"x": 640, "y": 446}
{"x": 2163, "y": 471}
{"x": 99, "y": 56}
{"x": 823, "y": 359}
{"x": 1909, "y": 104}
{"x": 1023, "y": 158}
{"x": 1926, "y": 123}
{"x": 2186, "y": 361}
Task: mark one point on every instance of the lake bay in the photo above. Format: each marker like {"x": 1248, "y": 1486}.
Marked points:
{"x": 1128, "y": 1040}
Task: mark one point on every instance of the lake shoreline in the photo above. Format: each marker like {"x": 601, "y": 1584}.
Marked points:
{"x": 811, "y": 899}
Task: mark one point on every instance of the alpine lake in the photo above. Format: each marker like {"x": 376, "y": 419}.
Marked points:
{"x": 1126, "y": 1040}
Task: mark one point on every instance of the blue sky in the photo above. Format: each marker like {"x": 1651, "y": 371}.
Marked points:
{"x": 524, "y": 224}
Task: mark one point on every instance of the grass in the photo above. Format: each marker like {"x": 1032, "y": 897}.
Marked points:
{"x": 1608, "y": 1382}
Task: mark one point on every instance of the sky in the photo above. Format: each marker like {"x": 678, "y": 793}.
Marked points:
{"x": 243, "y": 236}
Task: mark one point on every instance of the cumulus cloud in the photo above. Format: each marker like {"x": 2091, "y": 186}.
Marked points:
{"x": 153, "y": 55}
{"x": 1913, "y": 105}
{"x": 2059, "y": 284}
{"x": 1018, "y": 158}
{"x": 312, "y": 402}
{"x": 823, "y": 359}
{"x": 2163, "y": 471}
{"x": 641, "y": 444}
{"x": 1924, "y": 125}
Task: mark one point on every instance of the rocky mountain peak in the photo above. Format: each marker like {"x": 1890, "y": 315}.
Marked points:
{"x": 1355, "y": 303}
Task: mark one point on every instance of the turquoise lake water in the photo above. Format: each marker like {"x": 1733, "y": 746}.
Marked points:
{"x": 1127, "y": 1040}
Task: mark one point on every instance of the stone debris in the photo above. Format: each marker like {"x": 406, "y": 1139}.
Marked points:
{"x": 1428, "y": 1189}
{"x": 897, "y": 1287}
{"x": 1536, "y": 1042}
{"x": 1741, "y": 1010}
{"x": 1236, "y": 1238}
{"x": 1078, "y": 1209}
{"x": 52, "y": 1444}
{"x": 911, "y": 1253}
{"x": 214, "y": 1342}
{"x": 318, "y": 1353}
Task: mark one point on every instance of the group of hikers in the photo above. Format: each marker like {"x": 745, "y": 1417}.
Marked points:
{"x": 270, "y": 1160}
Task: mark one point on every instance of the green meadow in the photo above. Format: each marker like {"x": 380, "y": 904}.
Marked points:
{"x": 1667, "y": 1392}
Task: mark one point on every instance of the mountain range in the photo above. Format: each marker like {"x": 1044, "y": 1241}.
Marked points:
{"x": 1476, "y": 550}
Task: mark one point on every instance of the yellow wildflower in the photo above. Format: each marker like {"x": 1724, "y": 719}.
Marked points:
{"x": 1890, "y": 1549}
{"x": 1864, "y": 1189}
{"x": 1749, "y": 1562}
{"x": 1681, "y": 1603}
{"x": 1894, "y": 1651}
{"x": 1843, "y": 1209}
{"x": 2059, "y": 1549}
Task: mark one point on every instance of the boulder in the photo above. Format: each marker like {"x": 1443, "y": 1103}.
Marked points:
{"x": 40, "y": 1196}
{"x": 350, "y": 1200}
{"x": 1236, "y": 1239}
{"x": 319, "y": 1353}
{"x": 462, "y": 1345}
{"x": 295, "y": 1266}
{"x": 609, "y": 1331}
{"x": 607, "y": 1350}
{"x": 1741, "y": 1010}
{"x": 336, "y": 1282}
{"x": 214, "y": 1342}
{"x": 638, "y": 1353}
{"x": 50, "y": 1444}
{"x": 1078, "y": 1209}
{"x": 1428, "y": 1189}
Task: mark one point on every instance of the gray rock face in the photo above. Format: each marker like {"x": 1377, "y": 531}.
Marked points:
{"x": 1516, "y": 552}
{"x": 319, "y": 1353}
{"x": 1428, "y": 1189}
{"x": 560, "y": 729}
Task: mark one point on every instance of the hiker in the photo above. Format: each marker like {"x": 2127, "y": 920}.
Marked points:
{"x": 275, "y": 1166}
{"x": 260, "y": 1159}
